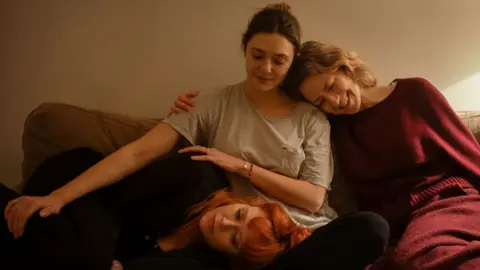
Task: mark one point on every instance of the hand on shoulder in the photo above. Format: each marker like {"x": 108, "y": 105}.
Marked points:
{"x": 184, "y": 102}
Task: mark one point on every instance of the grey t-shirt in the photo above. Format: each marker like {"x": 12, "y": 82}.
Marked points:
{"x": 297, "y": 146}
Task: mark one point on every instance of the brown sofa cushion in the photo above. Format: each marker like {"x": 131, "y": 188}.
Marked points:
{"x": 55, "y": 127}
{"x": 472, "y": 120}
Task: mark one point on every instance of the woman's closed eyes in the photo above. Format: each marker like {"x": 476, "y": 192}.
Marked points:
{"x": 239, "y": 216}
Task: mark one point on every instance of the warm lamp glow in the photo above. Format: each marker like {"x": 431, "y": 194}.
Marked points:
{"x": 464, "y": 95}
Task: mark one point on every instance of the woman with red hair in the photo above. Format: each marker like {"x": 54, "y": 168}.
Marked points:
{"x": 249, "y": 232}
{"x": 264, "y": 231}
{"x": 163, "y": 218}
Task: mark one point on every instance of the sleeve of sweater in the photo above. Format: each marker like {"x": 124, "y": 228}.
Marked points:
{"x": 444, "y": 129}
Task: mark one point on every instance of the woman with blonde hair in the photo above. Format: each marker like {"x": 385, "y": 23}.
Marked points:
{"x": 404, "y": 152}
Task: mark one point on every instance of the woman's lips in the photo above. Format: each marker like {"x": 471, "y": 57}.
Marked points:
{"x": 350, "y": 97}
{"x": 263, "y": 80}
{"x": 347, "y": 102}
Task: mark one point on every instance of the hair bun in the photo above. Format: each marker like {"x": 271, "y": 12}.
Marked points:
{"x": 281, "y": 7}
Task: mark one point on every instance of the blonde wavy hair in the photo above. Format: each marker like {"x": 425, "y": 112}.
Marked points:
{"x": 317, "y": 58}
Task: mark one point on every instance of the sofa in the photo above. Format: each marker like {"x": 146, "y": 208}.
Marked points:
{"x": 54, "y": 127}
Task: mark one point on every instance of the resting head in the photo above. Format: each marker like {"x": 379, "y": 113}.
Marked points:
{"x": 250, "y": 233}
{"x": 270, "y": 44}
{"x": 334, "y": 80}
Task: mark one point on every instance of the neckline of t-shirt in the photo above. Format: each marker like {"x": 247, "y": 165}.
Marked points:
{"x": 255, "y": 108}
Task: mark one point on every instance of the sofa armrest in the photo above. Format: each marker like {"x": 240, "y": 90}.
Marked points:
{"x": 472, "y": 120}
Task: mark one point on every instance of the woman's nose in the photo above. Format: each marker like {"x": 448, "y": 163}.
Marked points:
{"x": 343, "y": 100}
{"x": 227, "y": 223}
{"x": 266, "y": 66}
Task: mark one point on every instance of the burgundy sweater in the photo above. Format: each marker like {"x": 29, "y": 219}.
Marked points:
{"x": 399, "y": 153}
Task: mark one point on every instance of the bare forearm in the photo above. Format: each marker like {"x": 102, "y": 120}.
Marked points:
{"x": 107, "y": 172}
{"x": 121, "y": 163}
{"x": 299, "y": 193}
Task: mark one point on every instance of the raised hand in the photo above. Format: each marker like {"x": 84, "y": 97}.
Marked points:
{"x": 184, "y": 102}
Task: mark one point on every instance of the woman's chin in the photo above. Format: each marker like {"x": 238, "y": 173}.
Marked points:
{"x": 345, "y": 111}
{"x": 263, "y": 86}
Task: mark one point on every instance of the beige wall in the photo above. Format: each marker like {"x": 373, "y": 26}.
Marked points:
{"x": 135, "y": 56}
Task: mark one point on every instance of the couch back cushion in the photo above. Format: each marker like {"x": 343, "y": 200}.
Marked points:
{"x": 472, "y": 120}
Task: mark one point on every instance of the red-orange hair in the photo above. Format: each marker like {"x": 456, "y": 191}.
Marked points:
{"x": 267, "y": 237}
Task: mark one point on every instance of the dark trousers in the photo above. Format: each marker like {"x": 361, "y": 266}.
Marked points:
{"x": 118, "y": 222}
{"x": 350, "y": 242}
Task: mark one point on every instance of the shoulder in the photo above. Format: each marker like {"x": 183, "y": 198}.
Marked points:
{"x": 423, "y": 94}
{"x": 219, "y": 95}
{"x": 418, "y": 86}
{"x": 222, "y": 93}
{"x": 311, "y": 116}
{"x": 418, "y": 81}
